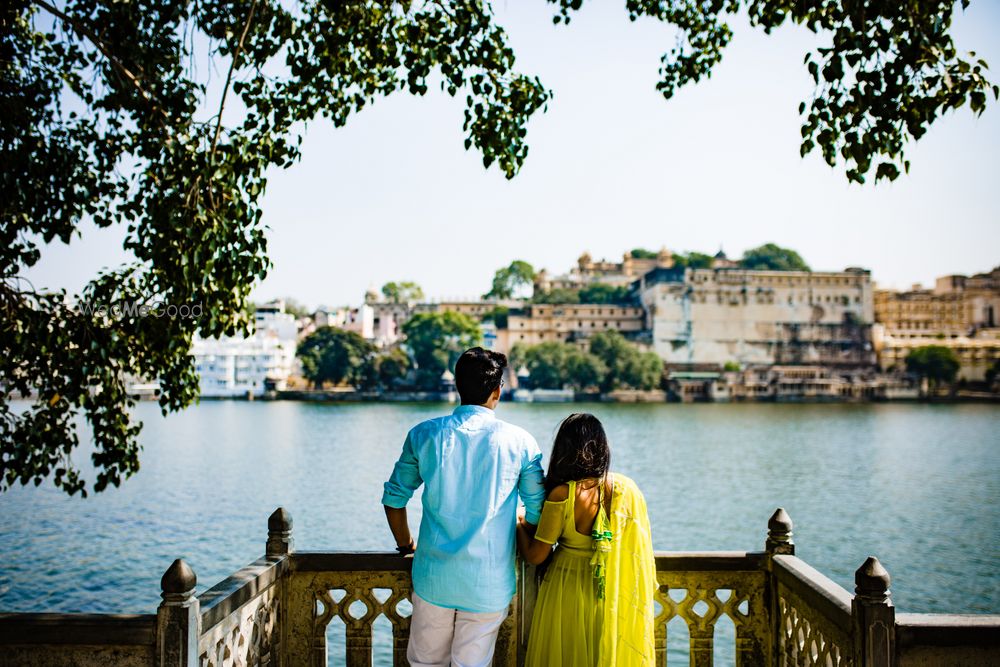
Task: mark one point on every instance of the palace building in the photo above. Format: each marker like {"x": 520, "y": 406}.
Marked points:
{"x": 571, "y": 322}
{"x": 722, "y": 315}
{"x": 961, "y": 313}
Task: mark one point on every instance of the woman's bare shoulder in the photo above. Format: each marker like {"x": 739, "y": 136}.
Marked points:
{"x": 558, "y": 494}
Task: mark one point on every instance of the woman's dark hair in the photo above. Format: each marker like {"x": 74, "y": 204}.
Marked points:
{"x": 478, "y": 373}
{"x": 580, "y": 451}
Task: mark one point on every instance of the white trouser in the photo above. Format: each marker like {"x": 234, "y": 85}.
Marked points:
{"x": 442, "y": 637}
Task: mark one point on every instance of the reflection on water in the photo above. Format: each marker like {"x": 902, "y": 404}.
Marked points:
{"x": 915, "y": 484}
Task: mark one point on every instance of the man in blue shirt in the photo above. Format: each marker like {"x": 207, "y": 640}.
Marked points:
{"x": 473, "y": 468}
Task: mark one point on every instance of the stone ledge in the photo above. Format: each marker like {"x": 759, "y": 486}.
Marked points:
{"x": 65, "y": 629}
{"x": 947, "y": 630}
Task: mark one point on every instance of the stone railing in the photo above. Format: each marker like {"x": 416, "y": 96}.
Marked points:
{"x": 280, "y": 610}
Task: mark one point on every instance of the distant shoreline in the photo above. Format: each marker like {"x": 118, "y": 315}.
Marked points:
{"x": 645, "y": 398}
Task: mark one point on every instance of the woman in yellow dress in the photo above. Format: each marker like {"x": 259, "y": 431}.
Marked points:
{"x": 595, "y": 601}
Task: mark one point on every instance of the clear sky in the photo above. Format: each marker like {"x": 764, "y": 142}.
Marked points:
{"x": 612, "y": 166}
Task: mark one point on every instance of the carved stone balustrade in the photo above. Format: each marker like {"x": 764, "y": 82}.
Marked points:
{"x": 281, "y": 610}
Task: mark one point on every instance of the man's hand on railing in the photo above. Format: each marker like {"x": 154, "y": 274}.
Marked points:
{"x": 400, "y": 527}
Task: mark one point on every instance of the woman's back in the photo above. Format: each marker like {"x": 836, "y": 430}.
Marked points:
{"x": 582, "y": 501}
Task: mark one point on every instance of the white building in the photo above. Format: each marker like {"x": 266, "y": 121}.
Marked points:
{"x": 234, "y": 366}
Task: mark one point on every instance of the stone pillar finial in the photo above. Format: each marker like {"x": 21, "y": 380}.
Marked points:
{"x": 873, "y": 616}
{"x": 779, "y": 534}
{"x": 279, "y": 533}
{"x": 177, "y": 583}
{"x": 178, "y": 619}
{"x": 871, "y": 581}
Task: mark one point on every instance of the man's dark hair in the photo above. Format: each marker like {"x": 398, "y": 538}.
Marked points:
{"x": 478, "y": 373}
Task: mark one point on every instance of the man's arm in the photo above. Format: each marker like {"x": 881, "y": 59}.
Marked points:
{"x": 405, "y": 479}
{"x": 529, "y": 486}
{"x": 400, "y": 527}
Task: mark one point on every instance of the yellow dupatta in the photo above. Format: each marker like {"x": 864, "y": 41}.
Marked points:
{"x": 629, "y": 582}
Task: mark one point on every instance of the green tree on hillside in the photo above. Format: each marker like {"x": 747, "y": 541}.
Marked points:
{"x": 558, "y": 365}
{"x": 772, "y": 257}
{"x": 392, "y": 367}
{"x": 992, "y": 372}
{"x": 436, "y": 340}
{"x": 937, "y": 363}
{"x": 693, "y": 259}
{"x": 498, "y": 315}
{"x": 100, "y": 98}
{"x": 546, "y": 362}
{"x": 508, "y": 280}
{"x": 557, "y": 295}
{"x": 402, "y": 292}
{"x": 628, "y": 368}
{"x": 643, "y": 370}
{"x": 584, "y": 370}
{"x": 643, "y": 253}
{"x": 604, "y": 293}
{"x": 336, "y": 356}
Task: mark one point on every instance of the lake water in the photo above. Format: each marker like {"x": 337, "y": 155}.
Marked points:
{"x": 917, "y": 485}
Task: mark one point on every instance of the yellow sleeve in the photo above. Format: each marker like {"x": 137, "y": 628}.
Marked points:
{"x": 550, "y": 524}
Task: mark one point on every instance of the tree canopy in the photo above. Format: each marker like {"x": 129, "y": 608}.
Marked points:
{"x": 611, "y": 363}
{"x": 509, "y": 279}
{"x": 107, "y": 118}
{"x": 643, "y": 253}
{"x": 771, "y": 257}
{"x": 558, "y": 365}
{"x": 436, "y": 340}
{"x": 937, "y": 363}
{"x": 993, "y": 372}
{"x": 604, "y": 293}
{"x": 627, "y": 367}
{"x": 498, "y": 315}
{"x": 336, "y": 356}
{"x": 557, "y": 295}
{"x": 693, "y": 259}
{"x": 392, "y": 367}
{"x": 402, "y": 292}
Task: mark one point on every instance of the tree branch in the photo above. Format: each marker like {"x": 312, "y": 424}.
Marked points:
{"x": 96, "y": 41}
{"x": 229, "y": 77}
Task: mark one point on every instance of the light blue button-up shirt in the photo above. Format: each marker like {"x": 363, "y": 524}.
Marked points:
{"x": 473, "y": 467}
